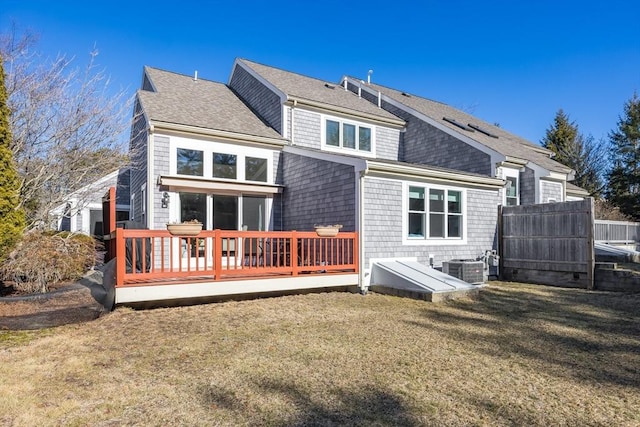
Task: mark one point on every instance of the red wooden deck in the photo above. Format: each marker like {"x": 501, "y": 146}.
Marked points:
{"x": 156, "y": 265}
{"x": 154, "y": 257}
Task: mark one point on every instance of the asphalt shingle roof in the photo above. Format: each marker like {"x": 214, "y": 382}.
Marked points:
{"x": 507, "y": 143}
{"x": 179, "y": 99}
{"x": 309, "y": 88}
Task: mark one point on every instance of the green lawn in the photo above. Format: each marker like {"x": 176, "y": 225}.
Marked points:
{"x": 519, "y": 355}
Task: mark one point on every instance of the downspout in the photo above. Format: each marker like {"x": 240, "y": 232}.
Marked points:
{"x": 361, "y": 252}
{"x": 295, "y": 103}
{"x": 150, "y": 184}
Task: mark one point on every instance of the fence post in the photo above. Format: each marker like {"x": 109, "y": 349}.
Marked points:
{"x": 591, "y": 257}
{"x": 500, "y": 242}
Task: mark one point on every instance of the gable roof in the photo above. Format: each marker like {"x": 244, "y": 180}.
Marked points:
{"x": 299, "y": 87}
{"x": 484, "y": 133}
{"x": 574, "y": 190}
{"x": 182, "y": 100}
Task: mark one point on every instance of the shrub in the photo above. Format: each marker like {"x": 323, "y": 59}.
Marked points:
{"x": 44, "y": 259}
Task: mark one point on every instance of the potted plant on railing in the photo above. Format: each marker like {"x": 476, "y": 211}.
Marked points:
{"x": 327, "y": 230}
{"x": 185, "y": 228}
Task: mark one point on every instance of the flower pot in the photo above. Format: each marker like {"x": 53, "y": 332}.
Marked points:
{"x": 328, "y": 230}
{"x": 185, "y": 229}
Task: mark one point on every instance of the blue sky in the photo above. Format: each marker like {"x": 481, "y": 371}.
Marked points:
{"x": 511, "y": 62}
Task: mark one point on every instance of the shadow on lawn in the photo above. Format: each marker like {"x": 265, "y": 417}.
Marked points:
{"x": 295, "y": 407}
{"x": 595, "y": 336}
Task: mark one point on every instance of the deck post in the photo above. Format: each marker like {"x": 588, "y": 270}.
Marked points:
{"x": 293, "y": 252}
{"x": 121, "y": 256}
{"x": 356, "y": 253}
{"x": 217, "y": 254}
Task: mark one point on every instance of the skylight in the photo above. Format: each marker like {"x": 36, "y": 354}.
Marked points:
{"x": 481, "y": 130}
{"x": 455, "y": 123}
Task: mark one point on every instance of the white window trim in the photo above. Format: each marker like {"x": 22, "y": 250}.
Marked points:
{"x": 174, "y": 214}
{"x": 426, "y": 241}
{"x": 132, "y": 207}
{"x": 511, "y": 173}
{"x": 341, "y": 149}
{"x": 143, "y": 204}
{"x": 210, "y": 147}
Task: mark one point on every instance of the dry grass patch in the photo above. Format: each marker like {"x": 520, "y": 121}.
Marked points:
{"x": 520, "y": 355}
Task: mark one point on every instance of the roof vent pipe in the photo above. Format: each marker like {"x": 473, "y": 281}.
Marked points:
{"x": 379, "y": 99}
{"x": 345, "y": 84}
{"x": 195, "y": 76}
{"x": 359, "y": 91}
{"x": 369, "y": 77}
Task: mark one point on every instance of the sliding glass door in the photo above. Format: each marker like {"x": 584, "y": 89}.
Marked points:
{"x": 224, "y": 212}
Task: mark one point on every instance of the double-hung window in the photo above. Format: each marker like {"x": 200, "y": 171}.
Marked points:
{"x": 350, "y": 136}
{"x": 434, "y": 213}
{"x": 511, "y": 191}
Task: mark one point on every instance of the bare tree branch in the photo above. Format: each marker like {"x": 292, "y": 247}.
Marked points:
{"x": 69, "y": 125}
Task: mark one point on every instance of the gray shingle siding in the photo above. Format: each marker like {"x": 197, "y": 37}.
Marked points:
{"x": 383, "y": 225}
{"x": 427, "y": 145}
{"x": 551, "y": 190}
{"x": 317, "y": 192}
{"x": 527, "y": 187}
{"x": 307, "y": 130}
{"x": 161, "y": 154}
{"x": 260, "y": 99}
{"x": 123, "y": 185}
{"x": 146, "y": 84}
{"x": 388, "y": 143}
{"x": 138, "y": 152}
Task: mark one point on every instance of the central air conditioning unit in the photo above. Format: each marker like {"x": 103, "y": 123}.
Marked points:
{"x": 469, "y": 270}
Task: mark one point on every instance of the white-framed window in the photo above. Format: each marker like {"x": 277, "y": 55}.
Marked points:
{"x": 346, "y": 135}
{"x": 222, "y": 161}
{"x": 132, "y": 207}
{"x": 512, "y": 187}
{"x": 225, "y": 211}
{"x": 189, "y": 162}
{"x": 434, "y": 213}
{"x": 143, "y": 202}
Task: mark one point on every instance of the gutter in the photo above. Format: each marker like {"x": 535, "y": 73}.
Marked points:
{"x": 387, "y": 121}
{"x": 382, "y": 169}
{"x": 226, "y": 135}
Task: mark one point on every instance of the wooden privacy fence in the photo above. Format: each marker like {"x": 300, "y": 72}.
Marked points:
{"x": 551, "y": 244}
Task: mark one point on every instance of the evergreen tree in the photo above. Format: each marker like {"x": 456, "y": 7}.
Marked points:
{"x": 12, "y": 220}
{"x": 561, "y": 137}
{"x": 581, "y": 153}
{"x": 624, "y": 177}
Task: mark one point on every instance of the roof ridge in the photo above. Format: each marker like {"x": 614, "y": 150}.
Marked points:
{"x": 413, "y": 95}
{"x": 175, "y": 73}
{"x": 287, "y": 71}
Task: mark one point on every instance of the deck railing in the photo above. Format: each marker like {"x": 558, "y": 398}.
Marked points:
{"x": 156, "y": 256}
{"x": 617, "y": 231}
